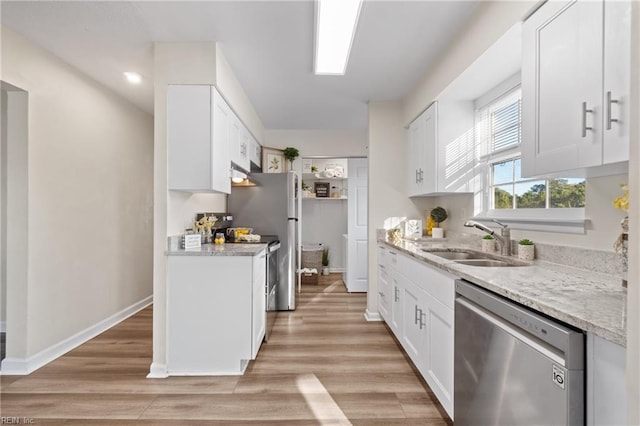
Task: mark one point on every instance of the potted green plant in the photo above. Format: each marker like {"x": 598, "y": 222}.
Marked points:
{"x": 439, "y": 215}
{"x": 526, "y": 249}
{"x": 291, "y": 154}
{"x": 488, "y": 244}
{"x": 325, "y": 261}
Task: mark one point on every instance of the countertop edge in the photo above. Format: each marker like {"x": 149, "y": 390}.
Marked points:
{"x": 234, "y": 249}
{"x": 588, "y": 325}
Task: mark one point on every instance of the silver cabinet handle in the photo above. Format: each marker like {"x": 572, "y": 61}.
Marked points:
{"x": 416, "y": 175}
{"x": 395, "y": 294}
{"x": 609, "y": 102}
{"x": 381, "y": 266}
{"x": 584, "y": 119}
{"x": 417, "y": 317}
{"x": 422, "y": 324}
{"x": 381, "y": 294}
{"x": 421, "y": 175}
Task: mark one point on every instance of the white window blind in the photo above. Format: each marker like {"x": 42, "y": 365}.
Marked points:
{"x": 499, "y": 125}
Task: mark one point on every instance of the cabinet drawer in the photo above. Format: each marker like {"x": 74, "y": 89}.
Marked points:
{"x": 439, "y": 284}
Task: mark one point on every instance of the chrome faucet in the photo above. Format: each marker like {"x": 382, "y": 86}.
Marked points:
{"x": 504, "y": 239}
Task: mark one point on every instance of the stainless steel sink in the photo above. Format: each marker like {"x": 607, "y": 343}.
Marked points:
{"x": 490, "y": 263}
{"x": 455, "y": 255}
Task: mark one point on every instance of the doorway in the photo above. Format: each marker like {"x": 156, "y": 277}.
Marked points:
{"x": 333, "y": 212}
{"x": 13, "y": 212}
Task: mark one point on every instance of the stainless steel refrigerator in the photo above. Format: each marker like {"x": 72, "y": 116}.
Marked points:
{"x": 271, "y": 208}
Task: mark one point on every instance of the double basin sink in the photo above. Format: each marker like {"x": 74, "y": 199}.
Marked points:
{"x": 475, "y": 258}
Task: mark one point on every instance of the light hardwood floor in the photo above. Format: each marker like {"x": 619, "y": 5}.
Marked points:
{"x": 324, "y": 365}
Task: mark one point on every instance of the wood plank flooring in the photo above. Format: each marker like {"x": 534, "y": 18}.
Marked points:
{"x": 324, "y": 365}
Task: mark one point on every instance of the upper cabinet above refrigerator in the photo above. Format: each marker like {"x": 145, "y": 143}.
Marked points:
{"x": 575, "y": 86}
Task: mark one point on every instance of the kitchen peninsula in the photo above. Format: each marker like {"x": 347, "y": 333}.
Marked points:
{"x": 215, "y": 308}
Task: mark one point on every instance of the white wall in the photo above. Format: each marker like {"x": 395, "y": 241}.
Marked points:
{"x": 232, "y": 91}
{"x": 3, "y": 208}
{"x": 325, "y": 221}
{"x": 491, "y": 20}
{"x": 387, "y": 180}
{"x": 89, "y": 197}
{"x": 311, "y": 143}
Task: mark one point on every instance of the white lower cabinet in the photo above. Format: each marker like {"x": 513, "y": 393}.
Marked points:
{"x": 606, "y": 386}
{"x": 215, "y": 313}
{"x": 421, "y": 317}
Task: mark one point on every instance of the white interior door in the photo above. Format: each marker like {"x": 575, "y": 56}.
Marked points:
{"x": 357, "y": 257}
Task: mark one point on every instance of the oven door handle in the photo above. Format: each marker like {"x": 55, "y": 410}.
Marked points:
{"x": 274, "y": 247}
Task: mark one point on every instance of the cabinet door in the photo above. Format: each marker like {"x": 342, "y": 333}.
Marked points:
{"x": 414, "y": 328}
{"x": 617, "y": 66}
{"x": 256, "y": 152}
{"x": 428, "y": 168}
{"x": 221, "y": 160}
{"x": 438, "y": 358}
{"x": 259, "y": 311}
{"x": 189, "y": 138}
{"x": 383, "y": 293}
{"x": 562, "y": 87}
{"x": 416, "y": 131}
{"x": 234, "y": 138}
{"x": 245, "y": 144}
{"x": 396, "y": 305}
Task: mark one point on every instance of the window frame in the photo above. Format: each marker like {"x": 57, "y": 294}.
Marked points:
{"x": 565, "y": 220}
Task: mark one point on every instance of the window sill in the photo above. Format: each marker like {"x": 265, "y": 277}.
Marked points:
{"x": 565, "y": 222}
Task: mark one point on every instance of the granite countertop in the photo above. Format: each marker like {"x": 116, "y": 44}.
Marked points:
{"x": 221, "y": 250}
{"x": 587, "y": 300}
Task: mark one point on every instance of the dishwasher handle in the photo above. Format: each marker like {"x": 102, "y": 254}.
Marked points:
{"x": 536, "y": 344}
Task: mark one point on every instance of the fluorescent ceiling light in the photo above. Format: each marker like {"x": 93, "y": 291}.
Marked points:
{"x": 336, "y": 22}
{"x": 133, "y": 77}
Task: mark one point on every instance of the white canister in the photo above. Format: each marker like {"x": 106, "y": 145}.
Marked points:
{"x": 437, "y": 232}
{"x": 526, "y": 252}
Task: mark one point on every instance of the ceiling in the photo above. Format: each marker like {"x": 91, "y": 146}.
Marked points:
{"x": 269, "y": 45}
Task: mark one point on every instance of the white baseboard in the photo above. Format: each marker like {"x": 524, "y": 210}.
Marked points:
{"x": 3, "y": 326}
{"x": 372, "y": 316}
{"x": 158, "y": 371}
{"x": 336, "y": 270}
{"x": 22, "y": 366}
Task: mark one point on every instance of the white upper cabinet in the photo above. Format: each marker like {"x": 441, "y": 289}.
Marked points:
{"x": 575, "y": 86}
{"x": 239, "y": 143}
{"x": 441, "y": 151}
{"x": 198, "y": 139}
{"x": 255, "y": 154}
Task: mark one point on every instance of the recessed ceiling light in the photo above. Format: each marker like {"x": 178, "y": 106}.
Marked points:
{"x": 133, "y": 77}
{"x": 336, "y": 22}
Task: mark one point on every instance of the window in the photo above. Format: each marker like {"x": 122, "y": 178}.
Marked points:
{"x": 510, "y": 196}
{"x": 509, "y": 190}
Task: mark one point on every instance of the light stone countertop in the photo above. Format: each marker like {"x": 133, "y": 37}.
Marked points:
{"x": 221, "y": 250}
{"x": 587, "y": 300}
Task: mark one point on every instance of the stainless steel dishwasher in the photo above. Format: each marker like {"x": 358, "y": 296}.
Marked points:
{"x": 513, "y": 366}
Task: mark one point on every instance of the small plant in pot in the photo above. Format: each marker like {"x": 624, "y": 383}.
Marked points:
{"x": 439, "y": 215}
{"x": 291, "y": 154}
{"x": 325, "y": 261}
{"x": 526, "y": 249}
{"x": 488, "y": 244}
